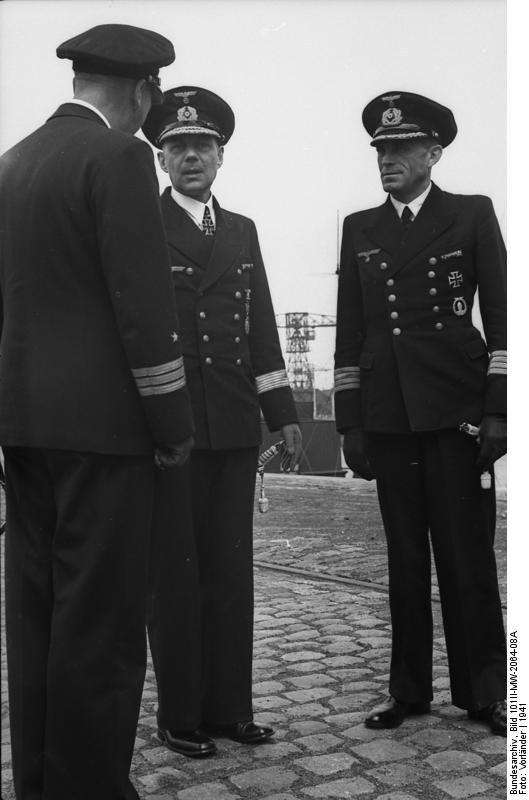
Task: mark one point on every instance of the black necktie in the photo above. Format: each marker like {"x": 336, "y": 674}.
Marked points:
{"x": 208, "y": 228}
{"x": 406, "y": 217}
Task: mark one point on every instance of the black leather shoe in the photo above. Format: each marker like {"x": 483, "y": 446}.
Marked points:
{"x": 244, "y": 732}
{"x": 393, "y": 713}
{"x": 495, "y": 716}
{"x": 194, "y": 744}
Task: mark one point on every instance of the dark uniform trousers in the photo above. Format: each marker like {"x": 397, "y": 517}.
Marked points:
{"x": 75, "y": 521}
{"x": 201, "y": 586}
{"x": 429, "y": 482}
{"x": 410, "y": 368}
{"x": 201, "y": 634}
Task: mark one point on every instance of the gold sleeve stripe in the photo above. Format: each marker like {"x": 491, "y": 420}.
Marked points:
{"x": 159, "y": 369}
{"x": 166, "y": 388}
{"x": 271, "y": 380}
{"x": 346, "y": 378}
{"x": 498, "y": 363}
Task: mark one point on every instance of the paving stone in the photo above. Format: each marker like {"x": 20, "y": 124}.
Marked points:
{"x": 307, "y": 710}
{"x": 344, "y": 720}
{"x": 302, "y": 655}
{"x": 271, "y": 701}
{"x": 319, "y": 742}
{"x": 396, "y": 796}
{"x": 353, "y": 702}
{"x": 360, "y": 733}
{"x": 327, "y": 764}
{"x": 207, "y": 791}
{"x": 469, "y": 786}
{"x": 266, "y": 779}
{"x": 306, "y": 666}
{"x": 267, "y": 687}
{"x": 398, "y": 774}
{"x": 384, "y": 750}
{"x": 307, "y": 695}
{"x": 454, "y": 760}
{"x": 343, "y": 661}
{"x": 499, "y": 769}
{"x": 308, "y": 726}
{"x": 433, "y": 739}
{"x": 314, "y": 679}
{"x": 343, "y": 788}
{"x": 272, "y": 750}
{"x": 341, "y": 648}
{"x": 492, "y": 744}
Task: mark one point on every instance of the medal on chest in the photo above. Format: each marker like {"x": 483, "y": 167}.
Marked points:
{"x": 247, "y": 311}
{"x": 459, "y": 306}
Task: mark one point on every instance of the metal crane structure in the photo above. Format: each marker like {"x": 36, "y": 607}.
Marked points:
{"x": 300, "y": 331}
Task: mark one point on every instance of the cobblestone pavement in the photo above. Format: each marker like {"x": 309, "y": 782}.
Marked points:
{"x": 321, "y": 659}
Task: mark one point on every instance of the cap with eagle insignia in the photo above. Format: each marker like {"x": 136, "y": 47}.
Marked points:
{"x": 398, "y": 116}
{"x": 189, "y": 109}
{"x": 122, "y": 50}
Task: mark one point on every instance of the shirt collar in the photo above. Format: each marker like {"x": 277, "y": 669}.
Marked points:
{"x": 413, "y": 205}
{"x": 194, "y": 208}
{"x": 92, "y": 108}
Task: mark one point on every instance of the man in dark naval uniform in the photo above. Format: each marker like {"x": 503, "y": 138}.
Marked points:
{"x": 201, "y": 626}
{"x": 410, "y": 368}
{"x": 92, "y": 390}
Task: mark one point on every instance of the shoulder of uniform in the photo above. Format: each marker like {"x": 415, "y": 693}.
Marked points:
{"x": 468, "y": 199}
{"x": 362, "y": 217}
{"x": 238, "y": 219}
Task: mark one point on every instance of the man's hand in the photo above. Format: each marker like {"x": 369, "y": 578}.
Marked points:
{"x": 291, "y": 434}
{"x": 173, "y": 455}
{"x": 493, "y": 440}
{"x": 355, "y": 454}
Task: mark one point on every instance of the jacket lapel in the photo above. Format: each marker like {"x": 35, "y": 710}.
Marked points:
{"x": 386, "y": 230}
{"x": 432, "y": 220}
{"x": 182, "y": 233}
{"x": 226, "y": 247}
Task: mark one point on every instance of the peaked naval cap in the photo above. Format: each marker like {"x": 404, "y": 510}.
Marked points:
{"x": 397, "y": 115}
{"x": 188, "y": 110}
{"x": 123, "y": 50}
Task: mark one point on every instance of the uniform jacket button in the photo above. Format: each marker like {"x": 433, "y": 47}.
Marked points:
{"x": 383, "y": 265}
{"x": 238, "y": 362}
{"x": 236, "y": 317}
{"x": 439, "y": 326}
{"x": 431, "y": 274}
{"x": 392, "y": 298}
{"x": 433, "y": 291}
{"x": 239, "y": 271}
{"x": 237, "y": 339}
{"x": 238, "y": 295}
{"x": 432, "y": 261}
{"x": 394, "y": 315}
{"x": 202, "y": 315}
{"x": 390, "y": 282}
{"x": 436, "y": 309}
{"x": 189, "y": 271}
{"x": 209, "y": 360}
{"x": 205, "y": 338}
{"x": 397, "y": 331}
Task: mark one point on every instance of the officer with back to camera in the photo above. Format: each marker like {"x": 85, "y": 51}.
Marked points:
{"x": 201, "y": 610}
{"x": 410, "y": 368}
{"x": 92, "y": 390}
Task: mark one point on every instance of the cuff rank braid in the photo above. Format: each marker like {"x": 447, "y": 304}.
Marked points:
{"x": 160, "y": 379}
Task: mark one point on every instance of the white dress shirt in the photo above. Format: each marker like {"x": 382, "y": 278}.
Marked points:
{"x": 92, "y": 108}
{"x": 413, "y": 205}
{"x": 194, "y": 208}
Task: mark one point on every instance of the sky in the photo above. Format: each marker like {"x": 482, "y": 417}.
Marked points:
{"x": 297, "y": 74}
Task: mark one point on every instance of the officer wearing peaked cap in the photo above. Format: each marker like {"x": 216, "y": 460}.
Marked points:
{"x": 92, "y": 390}
{"x": 201, "y": 609}
{"x": 410, "y": 368}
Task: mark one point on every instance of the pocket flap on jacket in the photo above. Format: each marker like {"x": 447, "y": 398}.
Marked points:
{"x": 366, "y": 360}
{"x": 476, "y": 348}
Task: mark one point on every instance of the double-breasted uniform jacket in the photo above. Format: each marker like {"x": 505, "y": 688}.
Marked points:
{"x": 408, "y": 357}
{"x": 90, "y": 353}
{"x": 232, "y": 354}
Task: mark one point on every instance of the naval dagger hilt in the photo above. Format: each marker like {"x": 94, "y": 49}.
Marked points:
{"x": 277, "y": 449}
